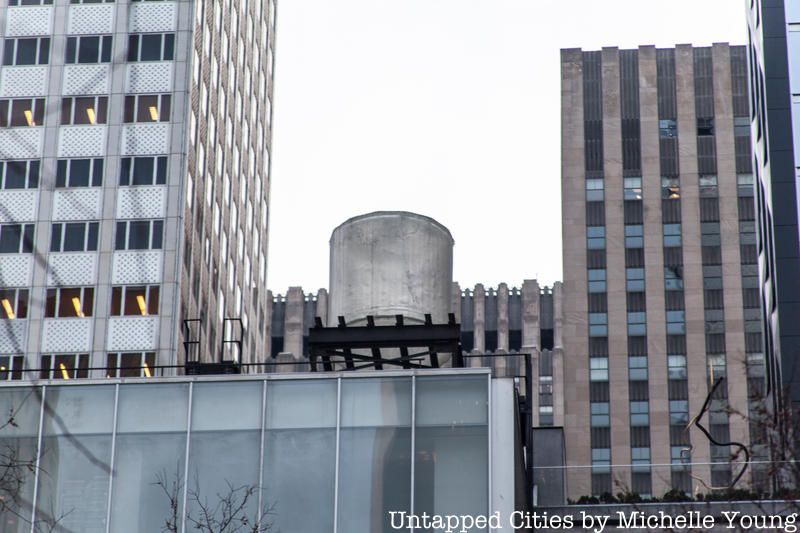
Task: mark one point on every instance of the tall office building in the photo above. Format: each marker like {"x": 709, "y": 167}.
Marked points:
{"x": 661, "y": 293}
{"x": 134, "y": 181}
{"x": 774, "y": 54}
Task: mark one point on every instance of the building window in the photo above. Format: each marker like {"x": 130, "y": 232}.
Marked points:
{"x": 131, "y": 365}
{"x": 640, "y": 459}
{"x": 637, "y": 324}
{"x": 710, "y": 234}
{"x": 637, "y": 368}
{"x": 744, "y": 183}
{"x": 21, "y": 112}
{"x": 594, "y": 190}
{"x": 69, "y": 302}
{"x": 151, "y": 47}
{"x": 634, "y": 236}
{"x": 670, "y": 188}
{"x": 84, "y": 110}
{"x": 741, "y": 126}
{"x": 598, "y": 369}
{"x": 673, "y": 278}
{"x": 595, "y": 237}
{"x": 708, "y": 184}
{"x": 634, "y": 279}
{"x": 676, "y": 322}
{"x": 147, "y": 108}
{"x": 13, "y": 304}
{"x": 712, "y": 277}
{"x": 91, "y": 1}
{"x": 27, "y": 51}
{"x": 149, "y": 170}
{"x": 601, "y": 460}
{"x": 599, "y": 416}
{"x": 66, "y": 366}
{"x": 598, "y": 324}
{"x": 678, "y": 412}
{"x": 11, "y": 367}
{"x": 139, "y": 235}
{"x": 74, "y": 237}
{"x": 672, "y": 235}
{"x": 89, "y": 49}
{"x": 597, "y": 280}
{"x": 632, "y": 188}
{"x": 717, "y": 367}
{"x": 16, "y": 238}
{"x": 676, "y": 367}
{"x": 134, "y": 300}
{"x": 23, "y": 174}
{"x": 680, "y": 457}
{"x": 30, "y": 2}
{"x": 79, "y": 173}
{"x": 705, "y": 127}
{"x": 668, "y": 128}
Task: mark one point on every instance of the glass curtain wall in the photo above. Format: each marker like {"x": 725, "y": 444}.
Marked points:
{"x": 333, "y": 454}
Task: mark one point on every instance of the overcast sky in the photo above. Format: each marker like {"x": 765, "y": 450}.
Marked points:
{"x": 448, "y": 108}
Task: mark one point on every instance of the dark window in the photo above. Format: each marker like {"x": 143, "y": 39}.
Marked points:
{"x": 30, "y": 2}
{"x": 16, "y": 238}
{"x": 148, "y": 170}
{"x": 89, "y": 49}
{"x": 139, "y": 235}
{"x": 23, "y": 174}
{"x": 79, "y": 173}
{"x": 151, "y": 47}
{"x": 27, "y": 51}
{"x": 74, "y": 237}
{"x": 705, "y": 127}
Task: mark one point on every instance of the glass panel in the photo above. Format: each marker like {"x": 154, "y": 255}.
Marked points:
{"x": 224, "y": 447}
{"x": 375, "y": 453}
{"x": 18, "y": 443}
{"x": 451, "y": 450}
{"x": 149, "y": 458}
{"x": 300, "y": 444}
{"x": 75, "y": 459}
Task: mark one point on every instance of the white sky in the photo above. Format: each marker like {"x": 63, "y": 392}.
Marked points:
{"x": 448, "y": 108}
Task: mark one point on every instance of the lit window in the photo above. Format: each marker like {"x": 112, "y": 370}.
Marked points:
{"x": 84, "y": 110}
{"x": 134, "y": 300}
{"x": 74, "y": 237}
{"x": 22, "y": 112}
{"x": 79, "y": 173}
{"x": 598, "y": 368}
{"x": 132, "y": 364}
{"x": 66, "y": 366}
{"x": 634, "y": 236}
{"x": 11, "y": 367}
{"x": 595, "y": 237}
{"x": 633, "y": 188}
{"x": 676, "y": 367}
{"x": 668, "y": 128}
{"x": 27, "y": 51}
{"x": 670, "y": 188}
{"x": 13, "y": 304}
{"x": 594, "y": 190}
{"x": 23, "y": 174}
{"x": 16, "y": 238}
{"x": 672, "y": 235}
{"x": 69, "y": 302}
{"x": 147, "y": 108}
{"x": 597, "y": 279}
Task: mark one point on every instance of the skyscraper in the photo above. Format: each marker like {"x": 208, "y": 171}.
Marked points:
{"x": 661, "y": 293}
{"x": 774, "y": 54}
{"x": 134, "y": 159}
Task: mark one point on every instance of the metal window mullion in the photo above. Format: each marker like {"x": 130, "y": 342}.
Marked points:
{"x": 186, "y": 459}
{"x": 113, "y": 454}
{"x": 336, "y": 468}
{"x": 413, "y": 437}
{"x": 38, "y": 457}
{"x": 261, "y": 454}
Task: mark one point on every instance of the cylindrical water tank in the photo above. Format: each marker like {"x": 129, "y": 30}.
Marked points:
{"x": 390, "y": 263}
